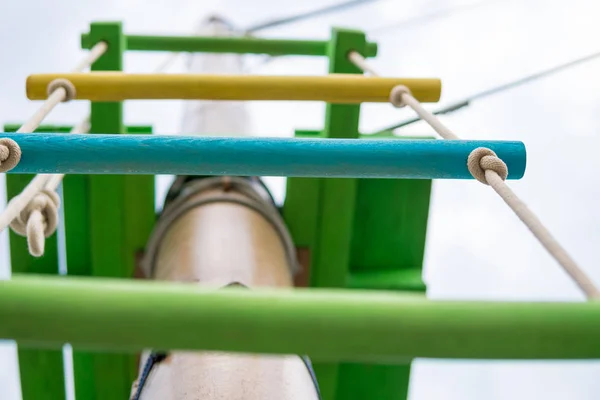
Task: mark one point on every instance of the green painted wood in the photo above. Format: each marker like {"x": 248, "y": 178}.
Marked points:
{"x": 13, "y": 127}
{"x": 330, "y": 256}
{"x": 372, "y": 381}
{"x": 391, "y": 231}
{"x": 388, "y": 245}
{"x": 244, "y": 45}
{"x": 108, "y": 220}
{"x": 408, "y": 279}
{"x": 41, "y": 370}
{"x": 326, "y": 324}
{"x": 301, "y": 206}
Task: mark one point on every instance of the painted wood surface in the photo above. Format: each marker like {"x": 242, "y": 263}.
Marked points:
{"x": 215, "y": 245}
{"x": 327, "y": 324}
{"x": 335, "y": 88}
{"x": 108, "y": 220}
{"x": 141, "y": 154}
{"x": 336, "y": 205}
{"x": 243, "y": 45}
{"x": 40, "y": 369}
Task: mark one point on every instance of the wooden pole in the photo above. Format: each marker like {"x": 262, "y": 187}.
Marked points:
{"x": 219, "y": 244}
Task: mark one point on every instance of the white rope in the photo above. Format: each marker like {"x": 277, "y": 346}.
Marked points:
{"x": 10, "y": 154}
{"x": 487, "y": 168}
{"x": 29, "y": 213}
{"x": 37, "y": 223}
{"x": 34, "y": 212}
{"x": 62, "y": 90}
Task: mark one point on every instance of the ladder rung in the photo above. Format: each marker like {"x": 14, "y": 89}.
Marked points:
{"x": 333, "y": 88}
{"x": 332, "y": 325}
{"x": 243, "y": 45}
{"x": 193, "y": 155}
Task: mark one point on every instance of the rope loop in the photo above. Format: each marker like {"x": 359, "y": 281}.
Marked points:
{"x": 397, "y": 95}
{"x": 483, "y": 159}
{"x": 66, "y": 84}
{"x": 10, "y": 154}
{"x": 38, "y": 220}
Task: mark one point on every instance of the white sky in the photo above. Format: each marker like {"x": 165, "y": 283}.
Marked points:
{"x": 476, "y": 248}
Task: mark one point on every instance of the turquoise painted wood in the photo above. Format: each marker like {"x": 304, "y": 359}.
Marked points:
{"x": 343, "y": 158}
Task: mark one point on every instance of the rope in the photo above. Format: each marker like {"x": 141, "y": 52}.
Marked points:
{"x": 34, "y": 212}
{"x": 62, "y": 90}
{"x": 10, "y": 154}
{"x": 36, "y": 223}
{"x": 498, "y": 89}
{"x": 487, "y": 168}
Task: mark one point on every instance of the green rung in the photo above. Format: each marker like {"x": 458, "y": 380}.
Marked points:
{"x": 370, "y": 327}
{"x": 247, "y": 45}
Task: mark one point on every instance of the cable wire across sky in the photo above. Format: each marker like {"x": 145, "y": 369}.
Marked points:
{"x": 455, "y": 106}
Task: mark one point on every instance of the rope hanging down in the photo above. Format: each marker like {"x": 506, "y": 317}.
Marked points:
{"x": 34, "y": 212}
{"x": 487, "y": 168}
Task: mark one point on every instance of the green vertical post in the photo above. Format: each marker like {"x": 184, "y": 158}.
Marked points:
{"x": 41, "y": 370}
{"x": 108, "y": 219}
{"x": 330, "y": 258}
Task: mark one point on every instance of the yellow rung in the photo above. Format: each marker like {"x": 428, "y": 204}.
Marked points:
{"x": 333, "y": 88}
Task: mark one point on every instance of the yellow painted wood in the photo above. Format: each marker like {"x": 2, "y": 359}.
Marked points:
{"x": 334, "y": 88}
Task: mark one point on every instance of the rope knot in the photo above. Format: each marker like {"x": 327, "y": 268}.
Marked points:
{"x": 483, "y": 159}
{"x": 10, "y": 154}
{"x": 66, "y": 84}
{"x": 397, "y": 95}
{"x": 38, "y": 220}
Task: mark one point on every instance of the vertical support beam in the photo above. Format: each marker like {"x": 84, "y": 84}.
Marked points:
{"x": 108, "y": 220}
{"x": 301, "y": 207}
{"x": 41, "y": 370}
{"x": 330, "y": 260}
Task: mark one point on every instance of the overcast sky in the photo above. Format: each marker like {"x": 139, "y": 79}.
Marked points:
{"x": 476, "y": 248}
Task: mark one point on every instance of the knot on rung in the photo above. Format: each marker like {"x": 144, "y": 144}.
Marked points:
{"x": 397, "y": 95}
{"x": 66, "y": 84}
{"x": 482, "y": 160}
{"x": 10, "y": 154}
{"x": 38, "y": 220}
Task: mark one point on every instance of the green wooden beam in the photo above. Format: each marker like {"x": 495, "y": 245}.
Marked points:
{"x": 12, "y": 127}
{"x": 327, "y": 324}
{"x": 404, "y": 280}
{"x": 301, "y": 206}
{"x": 108, "y": 220}
{"x": 388, "y": 243}
{"x": 388, "y": 246}
{"x": 373, "y": 381}
{"x": 243, "y": 45}
{"x": 41, "y": 370}
{"x": 331, "y": 253}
